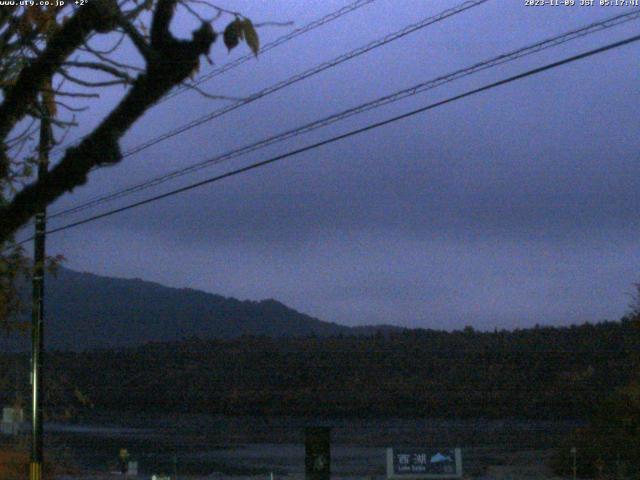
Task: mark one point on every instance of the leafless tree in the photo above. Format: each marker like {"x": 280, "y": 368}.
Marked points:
{"x": 54, "y": 63}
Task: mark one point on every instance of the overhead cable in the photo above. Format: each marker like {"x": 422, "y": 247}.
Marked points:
{"x": 394, "y": 97}
{"x": 349, "y": 134}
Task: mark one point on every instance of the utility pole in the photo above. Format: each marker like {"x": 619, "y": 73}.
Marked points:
{"x": 37, "y": 315}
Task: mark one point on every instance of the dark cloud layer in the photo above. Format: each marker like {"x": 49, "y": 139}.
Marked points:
{"x": 514, "y": 207}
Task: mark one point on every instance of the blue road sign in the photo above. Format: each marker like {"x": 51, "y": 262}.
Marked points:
{"x": 423, "y": 463}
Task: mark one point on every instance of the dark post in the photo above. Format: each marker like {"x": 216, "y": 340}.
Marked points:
{"x": 37, "y": 316}
{"x": 317, "y": 458}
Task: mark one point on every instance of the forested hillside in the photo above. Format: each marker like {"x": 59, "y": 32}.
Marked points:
{"x": 85, "y": 311}
{"x": 537, "y": 373}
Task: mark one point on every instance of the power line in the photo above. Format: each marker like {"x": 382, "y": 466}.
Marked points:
{"x": 419, "y": 88}
{"x": 277, "y": 42}
{"x": 299, "y": 77}
{"x": 307, "y": 74}
{"x": 351, "y": 133}
{"x": 450, "y": 12}
{"x": 351, "y": 7}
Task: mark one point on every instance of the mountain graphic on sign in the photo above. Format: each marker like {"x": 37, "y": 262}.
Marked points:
{"x": 439, "y": 458}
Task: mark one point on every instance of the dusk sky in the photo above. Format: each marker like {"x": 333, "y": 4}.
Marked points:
{"x": 513, "y": 207}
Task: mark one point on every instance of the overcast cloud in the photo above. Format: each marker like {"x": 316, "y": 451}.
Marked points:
{"x": 514, "y": 207}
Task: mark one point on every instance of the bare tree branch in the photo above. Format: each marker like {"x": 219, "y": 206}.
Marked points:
{"x": 85, "y": 83}
{"x": 138, "y": 40}
{"x": 109, "y": 50}
{"x": 210, "y": 96}
{"x": 68, "y": 107}
{"x": 172, "y": 62}
{"x": 161, "y": 21}
{"x": 101, "y": 67}
{"x": 110, "y": 61}
{"x": 96, "y": 15}
{"x": 61, "y": 93}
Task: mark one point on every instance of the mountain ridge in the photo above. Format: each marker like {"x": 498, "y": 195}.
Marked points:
{"x": 88, "y": 311}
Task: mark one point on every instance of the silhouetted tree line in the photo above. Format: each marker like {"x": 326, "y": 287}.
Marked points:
{"x": 543, "y": 372}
